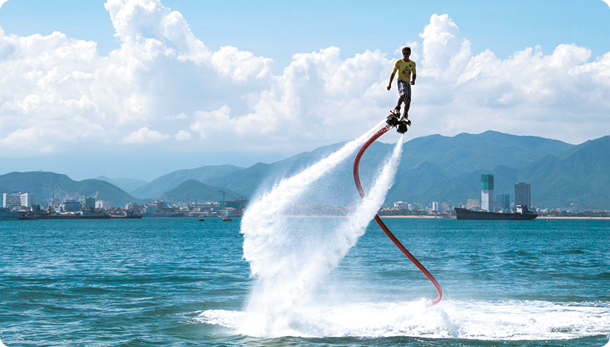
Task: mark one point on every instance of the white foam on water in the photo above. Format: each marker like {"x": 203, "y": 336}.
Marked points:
{"x": 478, "y": 320}
{"x": 287, "y": 265}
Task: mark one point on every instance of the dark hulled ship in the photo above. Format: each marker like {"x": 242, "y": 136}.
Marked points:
{"x": 522, "y": 213}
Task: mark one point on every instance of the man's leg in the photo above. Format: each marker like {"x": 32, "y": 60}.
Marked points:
{"x": 398, "y": 105}
{"x": 407, "y": 100}
{"x": 401, "y": 96}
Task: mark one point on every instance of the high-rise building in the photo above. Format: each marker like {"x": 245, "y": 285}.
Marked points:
{"x": 87, "y": 203}
{"x": 503, "y": 202}
{"x": 435, "y": 206}
{"x": 523, "y": 194}
{"x": 487, "y": 192}
{"x": 28, "y": 200}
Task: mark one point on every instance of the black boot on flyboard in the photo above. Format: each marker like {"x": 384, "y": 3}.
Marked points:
{"x": 394, "y": 120}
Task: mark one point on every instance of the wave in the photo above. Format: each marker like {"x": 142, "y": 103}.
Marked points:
{"x": 478, "y": 320}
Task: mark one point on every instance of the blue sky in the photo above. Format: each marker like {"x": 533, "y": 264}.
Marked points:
{"x": 278, "y": 29}
{"x": 191, "y": 83}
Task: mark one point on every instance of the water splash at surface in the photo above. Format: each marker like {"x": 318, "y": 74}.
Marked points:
{"x": 511, "y": 320}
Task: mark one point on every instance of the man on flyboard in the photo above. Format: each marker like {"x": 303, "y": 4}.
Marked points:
{"x": 406, "y": 78}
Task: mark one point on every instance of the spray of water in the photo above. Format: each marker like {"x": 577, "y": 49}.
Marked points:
{"x": 287, "y": 265}
{"x": 262, "y": 221}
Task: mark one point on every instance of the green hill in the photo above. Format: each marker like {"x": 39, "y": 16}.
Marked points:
{"x": 172, "y": 180}
{"x": 126, "y": 184}
{"x": 245, "y": 181}
{"x": 469, "y": 152}
{"x": 194, "y": 191}
{"x": 432, "y": 168}
{"x": 45, "y": 185}
{"x": 580, "y": 175}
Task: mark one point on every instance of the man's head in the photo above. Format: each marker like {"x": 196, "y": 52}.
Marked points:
{"x": 406, "y": 51}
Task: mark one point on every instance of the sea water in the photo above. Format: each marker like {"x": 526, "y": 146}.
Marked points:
{"x": 181, "y": 282}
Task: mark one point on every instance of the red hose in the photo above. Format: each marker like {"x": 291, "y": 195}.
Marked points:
{"x": 383, "y": 226}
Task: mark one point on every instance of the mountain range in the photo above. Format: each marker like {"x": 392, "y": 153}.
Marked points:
{"x": 47, "y": 185}
{"x": 432, "y": 168}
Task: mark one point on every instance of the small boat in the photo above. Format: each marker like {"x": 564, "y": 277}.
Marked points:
{"x": 227, "y": 219}
{"x": 201, "y": 220}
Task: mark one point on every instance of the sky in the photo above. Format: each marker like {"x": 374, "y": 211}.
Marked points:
{"x": 140, "y": 88}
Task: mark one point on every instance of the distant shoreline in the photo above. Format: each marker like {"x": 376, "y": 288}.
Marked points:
{"x": 451, "y": 217}
{"x": 539, "y": 217}
{"x": 427, "y": 217}
{"x": 570, "y": 217}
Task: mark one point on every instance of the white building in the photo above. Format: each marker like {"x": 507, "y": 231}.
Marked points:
{"x": 439, "y": 206}
{"x": 435, "y": 206}
{"x": 401, "y": 205}
{"x": 12, "y": 200}
{"x": 473, "y": 204}
{"x": 102, "y": 205}
{"x": 28, "y": 200}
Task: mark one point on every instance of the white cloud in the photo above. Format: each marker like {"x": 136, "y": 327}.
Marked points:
{"x": 182, "y": 135}
{"x": 240, "y": 65}
{"x": 233, "y": 97}
{"x": 208, "y": 123}
{"x": 445, "y": 52}
{"x": 144, "y": 135}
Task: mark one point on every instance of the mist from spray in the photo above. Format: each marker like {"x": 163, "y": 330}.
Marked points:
{"x": 263, "y": 219}
{"x": 289, "y": 257}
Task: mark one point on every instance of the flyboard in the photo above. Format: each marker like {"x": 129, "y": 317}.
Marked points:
{"x": 401, "y": 126}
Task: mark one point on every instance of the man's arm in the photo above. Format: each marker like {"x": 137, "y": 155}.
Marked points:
{"x": 391, "y": 79}
{"x": 414, "y": 75}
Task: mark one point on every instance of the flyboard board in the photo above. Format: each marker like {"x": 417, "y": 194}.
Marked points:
{"x": 393, "y": 120}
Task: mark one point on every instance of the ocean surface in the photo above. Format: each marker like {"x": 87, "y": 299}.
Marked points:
{"x": 180, "y": 282}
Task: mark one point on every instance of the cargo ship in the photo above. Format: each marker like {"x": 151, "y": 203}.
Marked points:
{"x": 78, "y": 215}
{"x": 522, "y": 213}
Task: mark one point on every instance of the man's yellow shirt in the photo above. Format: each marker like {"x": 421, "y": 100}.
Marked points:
{"x": 405, "y": 69}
